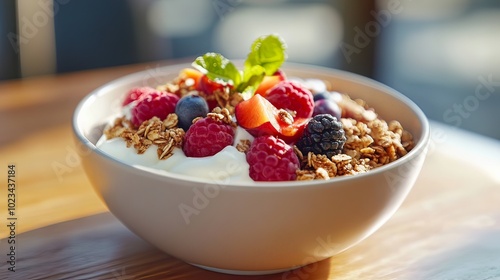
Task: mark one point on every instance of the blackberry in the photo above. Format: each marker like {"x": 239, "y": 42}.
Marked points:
{"x": 323, "y": 135}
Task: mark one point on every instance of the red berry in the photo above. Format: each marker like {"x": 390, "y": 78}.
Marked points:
{"x": 154, "y": 104}
{"x": 208, "y": 87}
{"x": 206, "y": 137}
{"x": 292, "y": 96}
{"x": 271, "y": 159}
{"x": 281, "y": 74}
{"x": 136, "y": 93}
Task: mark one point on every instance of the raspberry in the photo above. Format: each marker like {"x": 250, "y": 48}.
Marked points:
{"x": 206, "y": 137}
{"x": 323, "y": 135}
{"x": 154, "y": 104}
{"x": 136, "y": 93}
{"x": 271, "y": 159}
{"x": 292, "y": 96}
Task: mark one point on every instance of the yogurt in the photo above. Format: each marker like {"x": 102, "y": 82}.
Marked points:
{"x": 228, "y": 165}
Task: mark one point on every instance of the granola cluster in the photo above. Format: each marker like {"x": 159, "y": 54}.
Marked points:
{"x": 222, "y": 115}
{"x": 163, "y": 133}
{"x": 371, "y": 142}
{"x": 224, "y": 99}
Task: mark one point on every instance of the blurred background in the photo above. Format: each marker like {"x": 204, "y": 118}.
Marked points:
{"x": 444, "y": 55}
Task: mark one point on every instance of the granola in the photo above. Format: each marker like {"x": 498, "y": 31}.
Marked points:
{"x": 371, "y": 142}
{"x": 163, "y": 133}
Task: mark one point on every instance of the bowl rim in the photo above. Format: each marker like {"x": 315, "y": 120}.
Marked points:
{"x": 419, "y": 149}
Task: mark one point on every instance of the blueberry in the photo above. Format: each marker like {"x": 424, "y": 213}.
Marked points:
{"x": 327, "y": 106}
{"x": 190, "y": 107}
{"x": 319, "y": 96}
{"x": 332, "y": 95}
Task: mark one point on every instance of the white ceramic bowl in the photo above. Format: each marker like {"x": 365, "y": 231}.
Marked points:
{"x": 250, "y": 229}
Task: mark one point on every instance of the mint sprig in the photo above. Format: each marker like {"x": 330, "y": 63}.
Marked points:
{"x": 266, "y": 56}
{"x": 267, "y": 52}
{"x": 218, "y": 68}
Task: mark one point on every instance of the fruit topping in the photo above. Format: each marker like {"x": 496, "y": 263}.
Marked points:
{"x": 330, "y": 95}
{"x": 190, "y": 107}
{"x": 136, "y": 93}
{"x": 209, "y": 86}
{"x": 208, "y": 136}
{"x": 293, "y": 97}
{"x": 327, "y": 106}
{"x": 259, "y": 117}
{"x": 323, "y": 135}
{"x": 292, "y": 132}
{"x": 271, "y": 159}
{"x": 153, "y": 104}
{"x": 190, "y": 77}
{"x": 211, "y": 89}
{"x": 269, "y": 82}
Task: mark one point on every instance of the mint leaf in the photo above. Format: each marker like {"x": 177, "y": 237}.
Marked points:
{"x": 253, "y": 73}
{"x": 252, "y": 77}
{"x": 266, "y": 56}
{"x": 268, "y": 52}
{"x": 218, "y": 68}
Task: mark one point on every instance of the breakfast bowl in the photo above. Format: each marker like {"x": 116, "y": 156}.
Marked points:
{"x": 238, "y": 227}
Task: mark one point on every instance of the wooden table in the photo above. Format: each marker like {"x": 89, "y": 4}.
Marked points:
{"x": 448, "y": 228}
